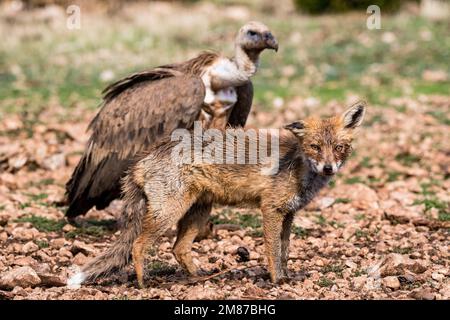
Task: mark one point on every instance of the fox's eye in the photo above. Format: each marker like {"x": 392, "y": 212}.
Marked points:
{"x": 315, "y": 147}
{"x": 339, "y": 148}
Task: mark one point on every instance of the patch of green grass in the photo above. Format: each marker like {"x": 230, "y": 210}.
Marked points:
{"x": 360, "y": 216}
{"x": 359, "y": 272}
{"x": 299, "y": 231}
{"x": 354, "y": 180}
{"x": 441, "y": 116}
{"x": 393, "y": 176}
{"x": 2, "y": 207}
{"x": 432, "y": 203}
{"x": 407, "y": 250}
{"x": 249, "y": 220}
{"x": 43, "y": 182}
{"x": 407, "y": 158}
{"x": 342, "y": 200}
{"x": 321, "y": 220}
{"x": 336, "y": 224}
{"x": 38, "y": 197}
{"x": 336, "y": 268}
{"x": 427, "y": 88}
{"x": 160, "y": 268}
{"x": 234, "y": 217}
{"x": 365, "y": 162}
{"x": 42, "y": 244}
{"x": 361, "y": 234}
{"x": 43, "y": 224}
{"x": 94, "y": 231}
{"x": 24, "y": 205}
{"x": 324, "y": 282}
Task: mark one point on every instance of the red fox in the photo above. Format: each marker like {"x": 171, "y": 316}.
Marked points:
{"x": 159, "y": 191}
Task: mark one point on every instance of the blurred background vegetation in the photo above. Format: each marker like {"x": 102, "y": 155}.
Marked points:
{"x": 330, "y": 55}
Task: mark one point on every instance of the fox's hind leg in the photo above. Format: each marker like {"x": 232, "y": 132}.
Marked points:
{"x": 163, "y": 212}
{"x": 192, "y": 225}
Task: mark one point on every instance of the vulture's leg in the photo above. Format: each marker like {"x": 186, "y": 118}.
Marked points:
{"x": 194, "y": 225}
{"x": 163, "y": 212}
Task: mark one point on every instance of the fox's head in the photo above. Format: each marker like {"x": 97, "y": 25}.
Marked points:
{"x": 327, "y": 143}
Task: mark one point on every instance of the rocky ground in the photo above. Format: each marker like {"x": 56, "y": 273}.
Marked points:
{"x": 379, "y": 231}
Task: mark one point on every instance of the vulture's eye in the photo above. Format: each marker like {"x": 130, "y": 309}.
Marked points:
{"x": 252, "y": 33}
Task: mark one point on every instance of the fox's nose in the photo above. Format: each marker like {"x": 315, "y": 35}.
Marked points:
{"x": 328, "y": 169}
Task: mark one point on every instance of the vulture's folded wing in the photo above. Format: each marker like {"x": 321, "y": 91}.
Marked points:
{"x": 129, "y": 122}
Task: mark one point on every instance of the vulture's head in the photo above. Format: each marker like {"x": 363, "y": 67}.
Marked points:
{"x": 255, "y": 37}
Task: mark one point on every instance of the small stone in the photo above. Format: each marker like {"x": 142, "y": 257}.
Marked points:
{"x": 407, "y": 278}
{"x": 243, "y": 254}
{"x": 22, "y": 276}
{"x": 4, "y": 218}
{"x": 30, "y": 247}
{"x": 325, "y": 202}
{"x": 201, "y": 292}
{"x": 351, "y": 264}
{"x": 396, "y": 264}
{"x": 319, "y": 263}
{"x": 3, "y": 236}
{"x": 21, "y": 233}
{"x": 51, "y": 280}
{"x": 25, "y": 261}
{"x": 391, "y": 282}
{"x": 63, "y": 252}
{"x": 254, "y": 255}
{"x": 79, "y": 259}
{"x": 79, "y": 246}
{"x": 359, "y": 282}
{"x": 423, "y": 294}
{"x": 68, "y": 228}
{"x": 54, "y": 161}
{"x": 437, "y": 276}
{"x": 57, "y": 243}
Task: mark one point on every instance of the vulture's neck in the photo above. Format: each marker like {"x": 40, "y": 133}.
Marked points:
{"x": 247, "y": 61}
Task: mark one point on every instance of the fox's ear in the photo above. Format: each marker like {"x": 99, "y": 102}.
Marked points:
{"x": 354, "y": 115}
{"x": 297, "y": 127}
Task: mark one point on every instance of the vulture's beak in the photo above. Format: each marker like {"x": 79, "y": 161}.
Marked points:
{"x": 270, "y": 41}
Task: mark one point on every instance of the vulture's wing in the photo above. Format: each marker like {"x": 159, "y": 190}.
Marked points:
{"x": 241, "y": 109}
{"x": 137, "y": 112}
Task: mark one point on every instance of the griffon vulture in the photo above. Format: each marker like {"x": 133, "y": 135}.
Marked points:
{"x": 142, "y": 108}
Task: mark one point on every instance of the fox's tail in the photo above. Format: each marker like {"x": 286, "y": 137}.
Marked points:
{"x": 118, "y": 255}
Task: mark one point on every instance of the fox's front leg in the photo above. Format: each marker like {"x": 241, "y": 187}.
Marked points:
{"x": 285, "y": 235}
{"x": 273, "y": 229}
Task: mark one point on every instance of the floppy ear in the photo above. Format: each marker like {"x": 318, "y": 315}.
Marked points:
{"x": 354, "y": 115}
{"x": 297, "y": 127}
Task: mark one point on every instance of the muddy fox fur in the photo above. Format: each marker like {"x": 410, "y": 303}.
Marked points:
{"x": 159, "y": 192}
